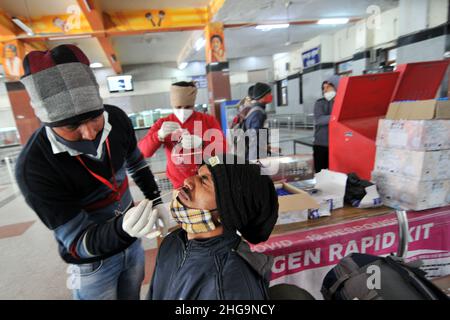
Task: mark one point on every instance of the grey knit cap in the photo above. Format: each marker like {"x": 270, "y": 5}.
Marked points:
{"x": 61, "y": 85}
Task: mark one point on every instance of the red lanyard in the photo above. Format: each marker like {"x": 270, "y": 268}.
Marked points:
{"x": 113, "y": 186}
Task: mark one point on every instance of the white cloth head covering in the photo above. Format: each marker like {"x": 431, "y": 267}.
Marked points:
{"x": 182, "y": 96}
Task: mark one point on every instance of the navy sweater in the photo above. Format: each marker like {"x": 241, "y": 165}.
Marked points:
{"x": 218, "y": 268}
{"x": 59, "y": 189}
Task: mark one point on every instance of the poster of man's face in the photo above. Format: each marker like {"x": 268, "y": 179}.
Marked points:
{"x": 10, "y": 51}
{"x": 12, "y": 64}
{"x": 216, "y": 43}
{"x": 215, "y": 46}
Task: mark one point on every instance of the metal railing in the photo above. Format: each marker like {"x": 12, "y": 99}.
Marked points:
{"x": 7, "y": 170}
{"x": 291, "y": 121}
{"x": 403, "y": 233}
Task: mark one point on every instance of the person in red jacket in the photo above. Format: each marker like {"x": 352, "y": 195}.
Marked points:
{"x": 188, "y": 136}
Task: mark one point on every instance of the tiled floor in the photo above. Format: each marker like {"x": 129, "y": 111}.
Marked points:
{"x": 30, "y": 265}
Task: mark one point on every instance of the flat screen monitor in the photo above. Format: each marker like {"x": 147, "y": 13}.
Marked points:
{"x": 120, "y": 83}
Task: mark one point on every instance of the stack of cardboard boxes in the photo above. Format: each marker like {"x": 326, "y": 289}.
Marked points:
{"x": 412, "y": 166}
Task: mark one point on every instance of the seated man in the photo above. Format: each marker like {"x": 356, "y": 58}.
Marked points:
{"x": 206, "y": 259}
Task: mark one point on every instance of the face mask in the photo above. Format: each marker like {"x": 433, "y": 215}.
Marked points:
{"x": 329, "y": 95}
{"x": 191, "y": 220}
{"x": 268, "y": 99}
{"x": 183, "y": 114}
{"x": 85, "y": 147}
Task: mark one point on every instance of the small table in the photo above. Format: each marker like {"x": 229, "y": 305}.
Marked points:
{"x": 306, "y": 141}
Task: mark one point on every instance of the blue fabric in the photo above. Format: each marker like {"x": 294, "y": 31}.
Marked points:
{"x": 117, "y": 277}
{"x": 204, "y": 270}
{"x": 255, "y": 120}
{"x": 67, "y": 233}
{"x": 253, "y": 127}
{"x": 283, "y": 192}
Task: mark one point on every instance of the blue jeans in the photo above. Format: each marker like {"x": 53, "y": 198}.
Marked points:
{"x": 116, "y": 278}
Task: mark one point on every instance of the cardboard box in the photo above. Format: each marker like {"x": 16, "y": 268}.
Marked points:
{"x": 421, "y": 165}
{"x": 295, "y": 207}
{"x": 418, "y": 135}
{"x": 293, "y": 168}
{"x": 419, "y": 110}
{"x": 411, "y": 194}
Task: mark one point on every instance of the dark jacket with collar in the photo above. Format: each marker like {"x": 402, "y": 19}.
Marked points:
{"x": 256, "y": 117}
{"x": 219, "y": 268}
{"x": 254, "y": 126}
{"x": 322, "y": 115}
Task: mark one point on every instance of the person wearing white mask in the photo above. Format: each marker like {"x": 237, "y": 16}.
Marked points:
{"x": 182, "y": 134}
{"x": 322, "y": 114}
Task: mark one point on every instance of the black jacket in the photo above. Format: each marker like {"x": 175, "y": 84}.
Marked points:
{"x": 322, "y": 115}
{"x": 219, "y": 268}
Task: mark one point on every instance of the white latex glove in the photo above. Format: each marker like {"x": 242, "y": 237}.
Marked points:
{"x": 140, "y": 221}
{"x": 163, "y": 218}
{"x": 167, "y": 128}
{"x": 189, "y": 141}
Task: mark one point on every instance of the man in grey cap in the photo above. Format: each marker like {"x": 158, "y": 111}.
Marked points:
{"x": 73, "y": 174}
{"x": 322, "y": 113}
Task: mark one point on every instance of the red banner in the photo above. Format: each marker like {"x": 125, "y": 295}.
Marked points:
{"x": 304, "y": 257}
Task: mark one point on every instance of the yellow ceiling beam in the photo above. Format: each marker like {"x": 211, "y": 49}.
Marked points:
{"x": 56, "y": 25}
{"x": 214, "y": 7}
{"x": 35, "y": 45}
{"x": 8, "y": 30}
{"x": 188, "y": 49}
{"x": 157, "y": 20}
{"x": 94, "y": 15}
{"x": 82, "y": 21}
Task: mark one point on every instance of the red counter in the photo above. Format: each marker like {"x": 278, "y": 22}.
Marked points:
{"x": 305, "y": 252}
{"x": 361, "y": 101}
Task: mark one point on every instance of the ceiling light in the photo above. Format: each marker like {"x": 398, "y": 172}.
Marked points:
{"x": 94, "y": 65}
{"x": 86, "y": 3}
{"x": 70, "y": 37}
{"x": 199, "y": 44}
{"x": 23, "y": 26}
{"x": 182, "y": 65}
{"x": 333, "y": 21}
{"x": 268, "y": 27}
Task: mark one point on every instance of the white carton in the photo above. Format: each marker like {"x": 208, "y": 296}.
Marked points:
{"x": 421, "y": 165}
{"x": 331, "y": 191}
{"x": 411, "y": 194}
{"x": 419, "y": 135}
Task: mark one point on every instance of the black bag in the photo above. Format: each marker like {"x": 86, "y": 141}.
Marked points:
{"x": 352, "y": 279}
{"x": 355, "y": 189}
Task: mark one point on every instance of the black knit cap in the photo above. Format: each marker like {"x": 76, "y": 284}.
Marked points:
{"x": 246, "y": 200}
{"x": 260, "y": 90}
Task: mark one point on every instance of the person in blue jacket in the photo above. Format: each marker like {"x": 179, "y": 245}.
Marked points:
{"x": 254, "y": 126}
{"x": 206, "y": 259}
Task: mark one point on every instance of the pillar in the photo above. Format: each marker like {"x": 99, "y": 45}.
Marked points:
{"x": 217, "y": 68}
{"x": 26, "y": 120}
